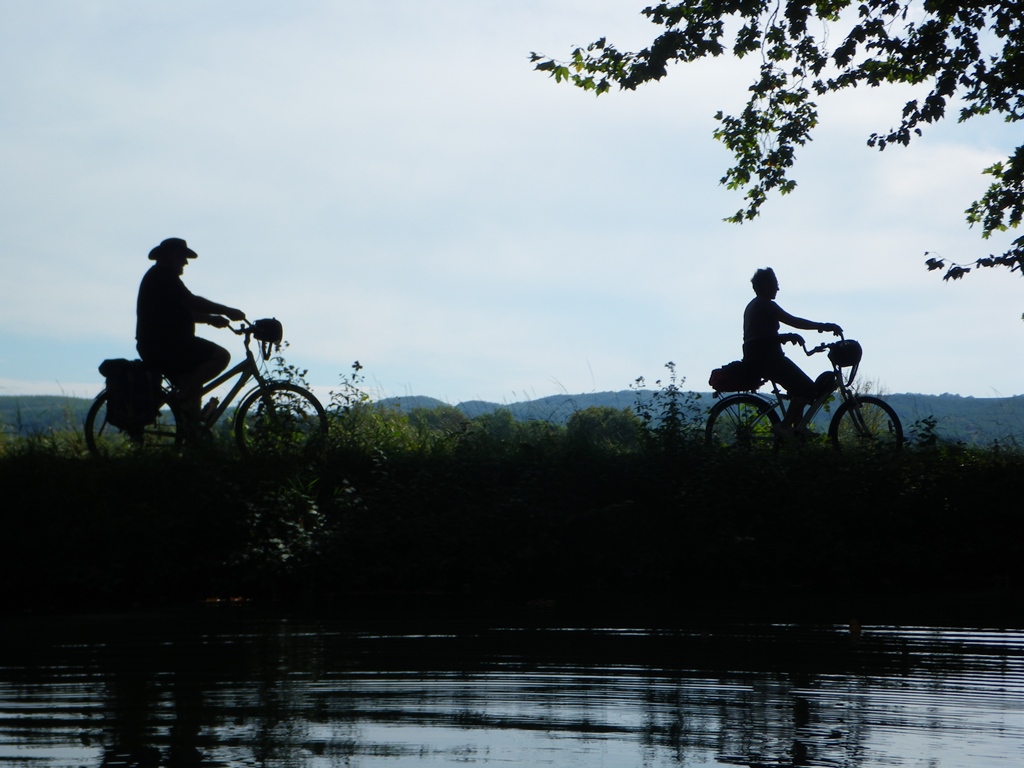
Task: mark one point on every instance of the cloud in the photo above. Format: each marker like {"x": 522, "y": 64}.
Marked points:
{"x": 397, "y": 185}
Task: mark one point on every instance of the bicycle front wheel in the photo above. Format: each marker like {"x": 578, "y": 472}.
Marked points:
{"x": 104, "y": 439}
{"x": 866, "y": 424}
{"x": 743, "y": 422}
{"x": 280, "y": 418}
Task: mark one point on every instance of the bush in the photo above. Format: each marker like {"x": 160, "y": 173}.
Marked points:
{"x": 603, "y": 428}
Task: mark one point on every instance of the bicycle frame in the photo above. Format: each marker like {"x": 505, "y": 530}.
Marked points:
{"x": 778, "y": 402}
{"x": 276, "y": 415}
{"x": 247, "y": 370}
{"x": 842, "y": 387}
{"x": 858, "y": 422}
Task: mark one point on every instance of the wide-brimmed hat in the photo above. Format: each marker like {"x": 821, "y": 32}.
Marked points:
{"x": 172, "y": 246}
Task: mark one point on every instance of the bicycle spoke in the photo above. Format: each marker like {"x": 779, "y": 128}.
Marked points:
{"x": 742, "y": 422}
{"x": 104, "y": 439}
{"x": 866, "y": 424}
{"x": 282, "y": 418}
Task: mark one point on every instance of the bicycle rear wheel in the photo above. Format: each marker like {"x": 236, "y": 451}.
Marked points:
{"x": 280, "y": 418}
{"x": 866, "y": 424}
{"x": 742, "y": 422}
{"x": 104, "y": 439}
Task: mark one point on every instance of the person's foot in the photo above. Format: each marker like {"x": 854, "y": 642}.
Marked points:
{"x": 194, "y": 432}
{"x": 783, "y": 430}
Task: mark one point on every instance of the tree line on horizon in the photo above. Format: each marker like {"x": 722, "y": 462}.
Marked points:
{"x": 968, "y": 420}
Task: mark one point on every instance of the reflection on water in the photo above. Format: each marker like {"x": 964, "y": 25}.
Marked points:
{"x": 228, "y": 687}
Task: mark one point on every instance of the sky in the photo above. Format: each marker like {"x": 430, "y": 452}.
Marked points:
{"x": 396, "y": 184}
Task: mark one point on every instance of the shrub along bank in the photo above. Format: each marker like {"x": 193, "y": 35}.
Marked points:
{"x": 430, "y": 503}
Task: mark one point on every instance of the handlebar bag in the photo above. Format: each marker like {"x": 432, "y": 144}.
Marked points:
{"x": 845, "y": 353}
{"x": 268, "y": 329}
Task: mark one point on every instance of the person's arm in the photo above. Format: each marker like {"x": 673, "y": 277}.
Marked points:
{"x": 807, "y": 325}
{"x": 212, "y": 313}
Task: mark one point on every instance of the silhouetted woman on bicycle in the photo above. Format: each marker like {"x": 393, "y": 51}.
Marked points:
{"x": 762, "y": 346}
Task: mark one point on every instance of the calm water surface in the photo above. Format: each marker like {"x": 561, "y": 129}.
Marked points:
{"x": 233, "y": 687}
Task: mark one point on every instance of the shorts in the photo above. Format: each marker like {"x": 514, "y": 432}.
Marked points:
{"x": 178, "y": 359}
{"x": 783, "y": 371}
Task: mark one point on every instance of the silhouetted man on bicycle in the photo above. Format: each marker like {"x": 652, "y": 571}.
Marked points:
{"x": 167, "y": 314}
{"x": 762, "y": 346}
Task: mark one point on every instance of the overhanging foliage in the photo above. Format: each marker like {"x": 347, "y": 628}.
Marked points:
{"x": 968, "y": 53}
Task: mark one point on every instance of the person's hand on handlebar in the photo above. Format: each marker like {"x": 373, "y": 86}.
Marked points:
{"x": 790, "y": 338}
{"x": 830, "y": 328}
{"x": 222, "y": 319}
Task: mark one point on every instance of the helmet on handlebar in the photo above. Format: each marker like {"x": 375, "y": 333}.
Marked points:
{"x": 268, "y": 329}
{"x": 845, "y": 353}
{"x": 269, "y": 332}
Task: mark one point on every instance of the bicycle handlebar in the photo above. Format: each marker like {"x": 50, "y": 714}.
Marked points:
{"x": 267, "y": 331}
{"x": 245, "y": 328}
{"x": 825, "y": 345}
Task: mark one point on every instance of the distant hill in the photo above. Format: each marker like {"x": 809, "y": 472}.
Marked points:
{"x": 556, "y": 408}
{"x": 976, "y": 421}
{"x": 32, "y": 414}
{"x": 972, "y": 420}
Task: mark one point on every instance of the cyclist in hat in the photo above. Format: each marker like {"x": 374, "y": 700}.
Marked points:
{"x": 167, "y": 314}
{"x": 762, "y": 346}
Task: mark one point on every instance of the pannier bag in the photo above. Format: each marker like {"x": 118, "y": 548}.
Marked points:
{"x": 734, "y": 377}
{"x": 133, "y": 393}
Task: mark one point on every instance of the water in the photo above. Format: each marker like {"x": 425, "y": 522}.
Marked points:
{"x": 235, "y": 687}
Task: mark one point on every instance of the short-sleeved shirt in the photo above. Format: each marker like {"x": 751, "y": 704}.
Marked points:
{"x": 762, "y": 349}
{"x": 164, "y": 320}
{"x": 761, "y": 328}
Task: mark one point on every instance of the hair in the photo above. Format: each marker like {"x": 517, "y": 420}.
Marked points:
{"x": 763, "y": 278}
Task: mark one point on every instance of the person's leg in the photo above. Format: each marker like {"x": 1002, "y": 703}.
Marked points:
{"x": 189, "y": 367}
{"x": 204, "y": 361}
{"x": 794, "y": 412}
{"x": 799, "y": 387}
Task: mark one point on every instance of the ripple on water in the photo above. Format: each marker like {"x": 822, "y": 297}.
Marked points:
{"x": 255, "y": 690}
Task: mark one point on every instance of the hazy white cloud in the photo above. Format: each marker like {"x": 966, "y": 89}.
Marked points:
{"x": 398, "y": 186}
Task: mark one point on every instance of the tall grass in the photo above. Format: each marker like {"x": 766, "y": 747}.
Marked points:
{"x": 612, "y": 503}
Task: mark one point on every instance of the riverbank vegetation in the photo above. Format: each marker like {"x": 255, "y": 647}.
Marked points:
{"x": 612, "y": 505}
{"x": 978, "y": 421}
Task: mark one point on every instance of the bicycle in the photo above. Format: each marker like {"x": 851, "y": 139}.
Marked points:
{"x": 273, "y": 415}
{"x": 747, "y": 419}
